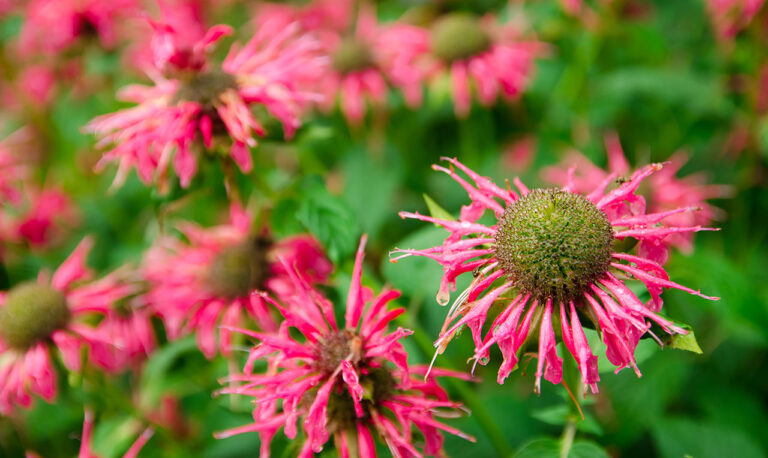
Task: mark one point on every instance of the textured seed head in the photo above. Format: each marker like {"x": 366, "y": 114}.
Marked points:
{"x": 31, "y": 313}
{"x": 554, "y": 244}
{"x": 331, "y": 350}
{"x": 205, "y": 88}
{"x": 458, "y": 36}
{"x": 239, "y": 269}
{"x": 351, "y": 55}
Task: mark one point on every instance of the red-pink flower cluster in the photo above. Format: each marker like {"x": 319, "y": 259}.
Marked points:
{"x": 551, "y": 256}
{"x": 214, "y": 282}
{"x": 198, "y": 107}
{"x": 352, "y": 381}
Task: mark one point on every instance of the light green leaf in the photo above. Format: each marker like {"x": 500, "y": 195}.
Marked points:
{"x": 436, "y": 211}
{"x": 684, "y": 342}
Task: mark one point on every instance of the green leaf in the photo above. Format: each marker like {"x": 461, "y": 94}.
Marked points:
{"x": 552, "y": 448}
{"x": 679, "y": 437}
{"x": 436, "y": 211}
{"x": 685, "y": 342}
{"x": 155, "y": 378}
{"x": 329, "y": 219}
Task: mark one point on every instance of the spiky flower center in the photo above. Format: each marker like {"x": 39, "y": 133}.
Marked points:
{"x": 351, "y": 55}
{"x": 458, "y": 36}
{"x": 205, "y": 88}
{"x": 378, "y": 385}
{"x": 239, "y": 269}
{"x": 554, "y": 244}
{"x": 337, "y": 346}
{"x": 32, "y": 312}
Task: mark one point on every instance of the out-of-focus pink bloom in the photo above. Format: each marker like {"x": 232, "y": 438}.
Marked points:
{"x": 215, "y": 279}
{"x": 519, "y": 154}
{"x": 38, "y": 316}
{"x": 85, "y": 441}
{"x": 730, "y": 16}
{"x": 206, "y": 106}
{"x": 42, "y": 217}
{"x": 51, "y": 26}
{"x": 180, "y": 26}
{"x": 478, "y": 53}
{"x": 553, "y": 249}
{"x": 352, "y": 382}
{"x": 14, "y": 166}
{"x": 38, "y": 83}
{"x": 316, "y": 16}
{"x": 665, "y": 191}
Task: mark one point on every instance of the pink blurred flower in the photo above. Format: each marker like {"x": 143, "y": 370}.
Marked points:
{"x": 51, "y": 26}
{"x": 14, "y": 165}
{"x": 351, "y": 382}
{"x": 214, "y": 280}
{"x": 665, "y": 191}
{"x": 478, "y": 53}
{"x": 85, "y": 441}
{"x": 36, "y": 317}
{"x": 43, "y": 216}
{"x": 318, "y": 15}
{"x": 206, "y": 105}
{"x": 553, "y": 250}
{"x": 730, "y": 16}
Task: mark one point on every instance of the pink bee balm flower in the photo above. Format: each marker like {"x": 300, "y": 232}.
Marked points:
{"x": 214, "y": 280}
{"x": 730, "y": 16}
{"x": 203, "y": 106}
{"x": 363, "y": 62}
{"x": 36, "y": 317}
{"x": 14, "y": 166}
{"x": 352, "y": 382}
{"x": 665, "y": 192}
{"x": 477, "y": 52}
{"x": 51, "y": 26}
{"x": 44, "y": 217}
{"x": 551, "y": 253}
{"x": 85, "y": 441}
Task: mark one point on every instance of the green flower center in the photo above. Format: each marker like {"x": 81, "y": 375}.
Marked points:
{"x": 458, "y": 36}
{"x": 239, "y": 269}
{"x": 31, "y": 313}
{"x": 378, "y": 385}
{"x": 205, "y": 88}
{"x": 554, "y": 244}
{"x": 351, "y": 55}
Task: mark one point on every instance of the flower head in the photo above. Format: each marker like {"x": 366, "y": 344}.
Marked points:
{"x": 36, "y": 317}
{"x": 665, "y": 192}
{"x": 51, "y": 26}
{"x": 478, "y": 52}
{"x": 200, "y": 105}
{"x": 551, "y": 257}
{"x": 215, "y": 279}
{"x": 350, "y": 381}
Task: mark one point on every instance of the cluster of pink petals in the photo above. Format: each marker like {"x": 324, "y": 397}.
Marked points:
{"x": 295, "y": 386}
{"x": 666, "y": 192}
{"x": 271, "y": 70}
{"x": 176, "y": 273}
{"x": 616, "y": 311}
{"x": 730, "y": 16}
{"x": 51, "y": 26}
{"x": 24, "y": 373}
{"x": 86, "y": 450}
{"x": 29, "y": 212}
{"x": 502, "y": 70}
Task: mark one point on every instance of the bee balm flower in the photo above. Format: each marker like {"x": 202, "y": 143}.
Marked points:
{"x": 215, "y": 279}
{"x": 349, "y": 381}
{"x": 206, "y": 105}
{"x": 551, "y": 257}
{"x": 38, "y": 316}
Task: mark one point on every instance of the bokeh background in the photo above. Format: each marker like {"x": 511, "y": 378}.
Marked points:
{"x": 657, "y": 73}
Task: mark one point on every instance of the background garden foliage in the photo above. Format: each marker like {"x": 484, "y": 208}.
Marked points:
{"x": 654, "y": 72}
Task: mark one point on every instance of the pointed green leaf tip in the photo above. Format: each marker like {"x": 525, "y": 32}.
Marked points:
{"x": 436, "y": 211}
{"x": 685, "y": 342}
